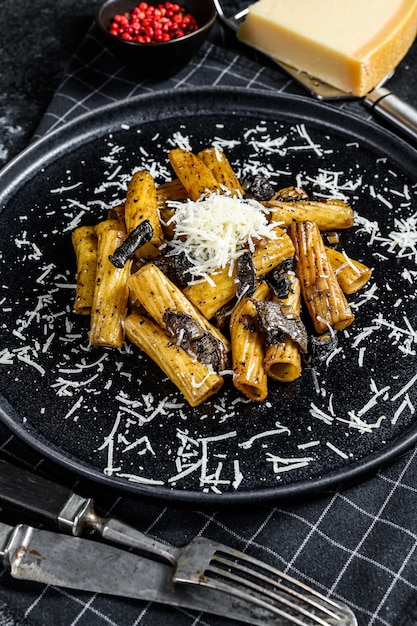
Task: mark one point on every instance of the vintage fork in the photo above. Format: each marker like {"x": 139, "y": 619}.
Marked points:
{"x": 215, "y": 565}
{"x": 205, "y": 562}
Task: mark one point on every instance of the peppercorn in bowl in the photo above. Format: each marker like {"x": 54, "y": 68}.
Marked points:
{"x": 155, "y": 38}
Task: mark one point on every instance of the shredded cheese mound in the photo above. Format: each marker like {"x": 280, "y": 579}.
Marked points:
{"x": 215, "y": 230}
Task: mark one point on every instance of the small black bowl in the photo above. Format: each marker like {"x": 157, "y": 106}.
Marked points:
{"x": 160, "y": 59}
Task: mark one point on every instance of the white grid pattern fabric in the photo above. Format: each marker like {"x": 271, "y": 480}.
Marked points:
{"x": 358, "y": 544}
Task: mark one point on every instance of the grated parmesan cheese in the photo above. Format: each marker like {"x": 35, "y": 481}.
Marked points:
{"x": 213, "y": 232}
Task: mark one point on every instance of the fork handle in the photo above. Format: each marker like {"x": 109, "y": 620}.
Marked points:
{"x": 394, "y": 110}
{"x": 122, "y": 534}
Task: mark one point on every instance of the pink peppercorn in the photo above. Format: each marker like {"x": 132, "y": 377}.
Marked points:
{"x": 148, "y": 24}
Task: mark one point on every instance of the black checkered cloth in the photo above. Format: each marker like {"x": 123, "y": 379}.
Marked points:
{"x": 357, "y": 544}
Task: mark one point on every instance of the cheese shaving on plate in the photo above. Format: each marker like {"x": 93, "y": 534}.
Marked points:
{"x": 214, "y": 231}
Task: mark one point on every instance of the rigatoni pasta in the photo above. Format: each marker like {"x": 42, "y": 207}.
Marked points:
{"x": 210, "y": 295}
{"x": 158, "y": 294}
{"x": 249, "y": 375}
{"x": 322, "y": 293}
{"x": 219, "y": 165}
{"x": 173, "y": 259}
{"x": 328, "y": 214}
{"x": 84, "y": 241}
{"x": 193, "y": 173}
{"x": 141, "y": 204}
{"x": 283, "y": 358}
{"x": 111, "y": 293}
{"x": 196, "y": 381}
{"x": 352, "y": 275}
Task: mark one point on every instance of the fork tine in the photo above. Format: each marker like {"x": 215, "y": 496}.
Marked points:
{"x": 308, "y": 599}
{"x": 281, "y": 598}
{"x": 212, "y": 564}
{"x": 275, "y": 610}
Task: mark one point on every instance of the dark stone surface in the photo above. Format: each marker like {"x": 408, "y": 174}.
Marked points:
{"x": 37, "y": 41}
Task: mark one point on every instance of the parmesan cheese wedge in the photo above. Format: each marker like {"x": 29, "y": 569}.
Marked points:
{"x": 350, "y": 44}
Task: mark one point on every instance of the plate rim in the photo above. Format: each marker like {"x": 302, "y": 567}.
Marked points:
{"x": 396, "y": 142}
{"x": 60, "y": 139}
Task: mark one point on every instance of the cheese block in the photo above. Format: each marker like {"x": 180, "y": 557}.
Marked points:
{"x": 350, "y": 44}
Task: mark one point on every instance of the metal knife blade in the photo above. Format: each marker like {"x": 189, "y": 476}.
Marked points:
{"x": 76, "y": 563}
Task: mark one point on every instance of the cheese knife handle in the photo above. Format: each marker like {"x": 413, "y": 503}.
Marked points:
{"x": 400, "y": 114}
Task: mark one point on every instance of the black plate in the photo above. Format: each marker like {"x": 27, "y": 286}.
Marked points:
{"x": 111, "y": 415}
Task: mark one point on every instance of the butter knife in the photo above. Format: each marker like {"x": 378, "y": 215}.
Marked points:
{"x": 40, "y": 501}
{"x": 75, "y": 563}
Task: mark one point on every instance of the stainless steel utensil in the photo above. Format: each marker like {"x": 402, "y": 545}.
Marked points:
{"x": 76, "y": 563}
{"x": 380, "y": 100}
{"x": 203, "y": 563}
